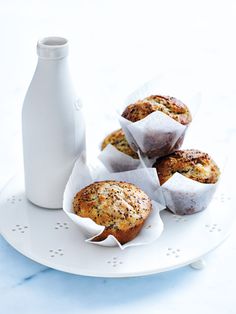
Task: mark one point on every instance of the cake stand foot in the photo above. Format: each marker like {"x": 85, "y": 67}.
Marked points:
{"x": 199, "y": 264}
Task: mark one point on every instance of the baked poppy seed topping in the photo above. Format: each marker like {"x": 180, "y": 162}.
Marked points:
{"x": 191, "y": 163}
{"x": 119, "y": 206}
{"x": 118, "y": 139}
{"x": 171, "y": 106}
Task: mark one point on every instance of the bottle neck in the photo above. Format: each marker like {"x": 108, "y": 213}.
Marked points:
{"x": 52, "y": 56}
{"x": 53, "y": 62}
{"x": 53, "y": 68}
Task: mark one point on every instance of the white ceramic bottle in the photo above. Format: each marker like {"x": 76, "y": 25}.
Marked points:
{"x": 52, "y": 126}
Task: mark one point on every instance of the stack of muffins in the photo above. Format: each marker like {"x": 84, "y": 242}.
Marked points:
{"x": 191, "y": 163}
{"x": 122, "y": 207}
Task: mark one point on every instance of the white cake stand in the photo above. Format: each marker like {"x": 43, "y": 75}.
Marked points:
{"x": 50, "y": 238}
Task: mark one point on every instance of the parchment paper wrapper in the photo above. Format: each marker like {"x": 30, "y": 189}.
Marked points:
{"x": 157, "y": 134}
{"x": 116, "y": 161}
{"x": 145, "y": 178}
{"x": 184, "y": 196}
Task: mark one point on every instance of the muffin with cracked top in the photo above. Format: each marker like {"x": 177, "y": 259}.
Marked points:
{"x": 171, "y": 106}
{"x": 118, "y": 140}
{"x": 191, "y": 163}
{"x": 159, "y": 144}
{"x": 119, "y": 206}
{"x": 183, "y": 198}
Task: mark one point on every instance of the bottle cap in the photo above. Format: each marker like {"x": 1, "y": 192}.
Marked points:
{"x": 52, "y": 48}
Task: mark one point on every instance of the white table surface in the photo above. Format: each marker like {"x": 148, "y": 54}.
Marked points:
{"x": 114, "y": 47}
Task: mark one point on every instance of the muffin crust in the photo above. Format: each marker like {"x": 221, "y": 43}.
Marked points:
{"x": 191, "y": 163}
{"x": 171, "y": 106}
{"x": 119, "y": 206}
{"x": 117, "y": 139}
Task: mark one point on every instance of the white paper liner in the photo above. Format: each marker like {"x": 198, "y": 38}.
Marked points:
{"x": 145, "y": 178}
{"x": 184, "y": 196}
{"x": 116, "y": 161}
{"x": 157, "y": 134}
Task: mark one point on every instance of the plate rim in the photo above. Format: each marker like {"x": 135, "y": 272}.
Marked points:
{"x": 108, "y": 274}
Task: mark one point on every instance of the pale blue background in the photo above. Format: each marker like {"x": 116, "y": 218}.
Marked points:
{"x": 115, "y": 47}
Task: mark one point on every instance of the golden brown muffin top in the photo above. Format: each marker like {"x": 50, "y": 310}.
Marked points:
{"x": 171, "y": 106}
{"x": 118, "y": 139}
{"x": 191, "y": 163}
{"x": 113, "y": 204}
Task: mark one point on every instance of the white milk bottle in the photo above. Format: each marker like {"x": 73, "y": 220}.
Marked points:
{"x": 52, "y": 125}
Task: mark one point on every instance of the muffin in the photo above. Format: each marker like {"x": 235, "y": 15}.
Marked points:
{"x": 171, "y": 106}
{"x": 159, "y": 141}
{"x": 117, "y": 139}
{"x": 191, "y": 163}
{"x": 185, "y": 197}
{"x": 119, "y": 206}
